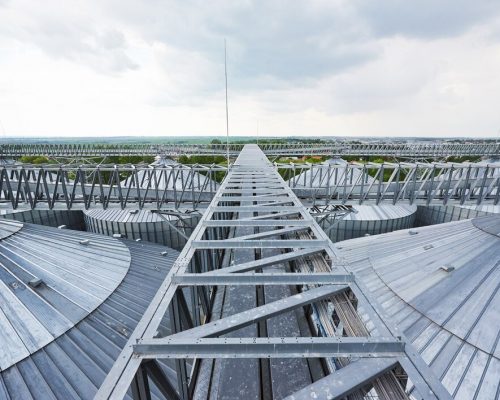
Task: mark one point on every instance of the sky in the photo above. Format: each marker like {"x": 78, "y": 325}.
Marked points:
{"x": 308, "y": 68}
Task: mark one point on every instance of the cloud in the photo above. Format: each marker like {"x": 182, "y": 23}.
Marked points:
{"x": 286, "y": 41}
{"x": 427, "y": 19}
{"x": 279, "y": 42}
{"x": 319, "y": 67}
{"x": 65, "y": 34}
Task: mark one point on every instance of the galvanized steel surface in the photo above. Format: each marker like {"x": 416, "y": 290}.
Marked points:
{"x": 338, "y": 147}
{"x": 440, "y": 285}
{"x": 8, "y": 228}
{"x": 169, "y": 228}
{"x": 251, "y": 176}
{"x": 410, "y": 183}
{"x": 74, "y": 365}
{"x": 49, "y": 282}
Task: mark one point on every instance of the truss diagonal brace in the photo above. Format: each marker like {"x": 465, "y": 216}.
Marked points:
{"x": 346, "y": 380}
{"x": 265, "y": 262}
{"x": 245, "y": 318}
{"x": 161, "y": 381}
{"x": 277, "y": 232}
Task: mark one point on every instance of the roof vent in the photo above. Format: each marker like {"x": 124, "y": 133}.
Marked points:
{"x": 117, "y": 235}
{"x": 428, "y": 247}
{"x": 138, "y": 239}
{"x": 35, "y": 282}
{"x": 447, "y": 268}
{"x": 61, "y": 227}
{"x": 85, "y": 242}
{"x": 413, "y": 232}
{"x": 133, "y": 211}
{"x": 164, "y": 253}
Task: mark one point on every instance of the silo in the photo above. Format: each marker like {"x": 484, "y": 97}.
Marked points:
{"x": 438, "y": 214}
{"x": 361, "y": 220}
{"x": 439, "y": 285}
{"x": 72, "y": 219}
{"x": 330, "y": 173}
{"x": 169, "y": 228}
{"x": 347, "y": 222}
{"x": 69, "y": 301}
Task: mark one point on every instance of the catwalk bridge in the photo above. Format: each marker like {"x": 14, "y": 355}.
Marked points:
{"x": 338, "y": 148}
{"x": 193, "y": 187}
{"x": 259, "y": 248}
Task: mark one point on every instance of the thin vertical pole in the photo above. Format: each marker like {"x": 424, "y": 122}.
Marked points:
{"x": 227, "y": 110}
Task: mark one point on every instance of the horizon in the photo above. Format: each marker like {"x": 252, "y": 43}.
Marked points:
{"x": 244, "y": 137}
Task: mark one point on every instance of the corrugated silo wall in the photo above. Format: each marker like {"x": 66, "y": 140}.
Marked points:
{"x": 431, "y": 215}
{"x": 157, "y": 232}
{"x": 72, "y": 219}
{"x": 350, "y": 229}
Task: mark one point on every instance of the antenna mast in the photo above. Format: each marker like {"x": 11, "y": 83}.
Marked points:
{"x": 227, "y": 110}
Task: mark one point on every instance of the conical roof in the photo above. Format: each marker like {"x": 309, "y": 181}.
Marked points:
{"x": 49, "y": 281}
{"x": 179, "y": 179}
{"x": 320, "y": 177}
{"x": 75, "y": 364}
{"x": 439, "y": 284}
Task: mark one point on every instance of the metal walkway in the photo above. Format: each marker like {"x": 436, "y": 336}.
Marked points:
{"x": 255, "y": 210}
{"x": 180, "y": 186}
{"x": 340, "y": 148}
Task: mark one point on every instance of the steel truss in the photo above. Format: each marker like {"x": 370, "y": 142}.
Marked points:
{"x": 193, "y": 187}
{"x": 303, "y": 259}
{"x": 341, "y": 148}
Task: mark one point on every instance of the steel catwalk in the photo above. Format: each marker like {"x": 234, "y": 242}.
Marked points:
{"x": 27, "y": 187}
{"x": 340, "y": 148}
{"x": 215, "y": 251}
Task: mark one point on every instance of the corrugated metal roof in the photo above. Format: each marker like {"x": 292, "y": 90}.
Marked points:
{"x": 440, "y": 286}
{"x": 161, "y": 161}
{"x": 118, "y": 215}
{"x": 380, "y": 212}
{"x": 137, "y": 216}
{"x": 8, "y": 228}
{"x": 75, "y": 364}
{"x": 180, "y": 179}
{"x": 489, "y": 208}
{"x": 49, "y": 282}
{"x": 322, "y": 177}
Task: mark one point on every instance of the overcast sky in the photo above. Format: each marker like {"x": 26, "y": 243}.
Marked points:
{"x": 332, "y": 67}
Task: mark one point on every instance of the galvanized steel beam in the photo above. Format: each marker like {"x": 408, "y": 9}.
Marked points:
{"x": 285, "y": 278}
{"x": 346, "y": 380}
{"x": 285, "y": 347}
{"x": 266, "y": 262}
{"x": 258, "y": 244}
{"x": 245, "y": 318}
